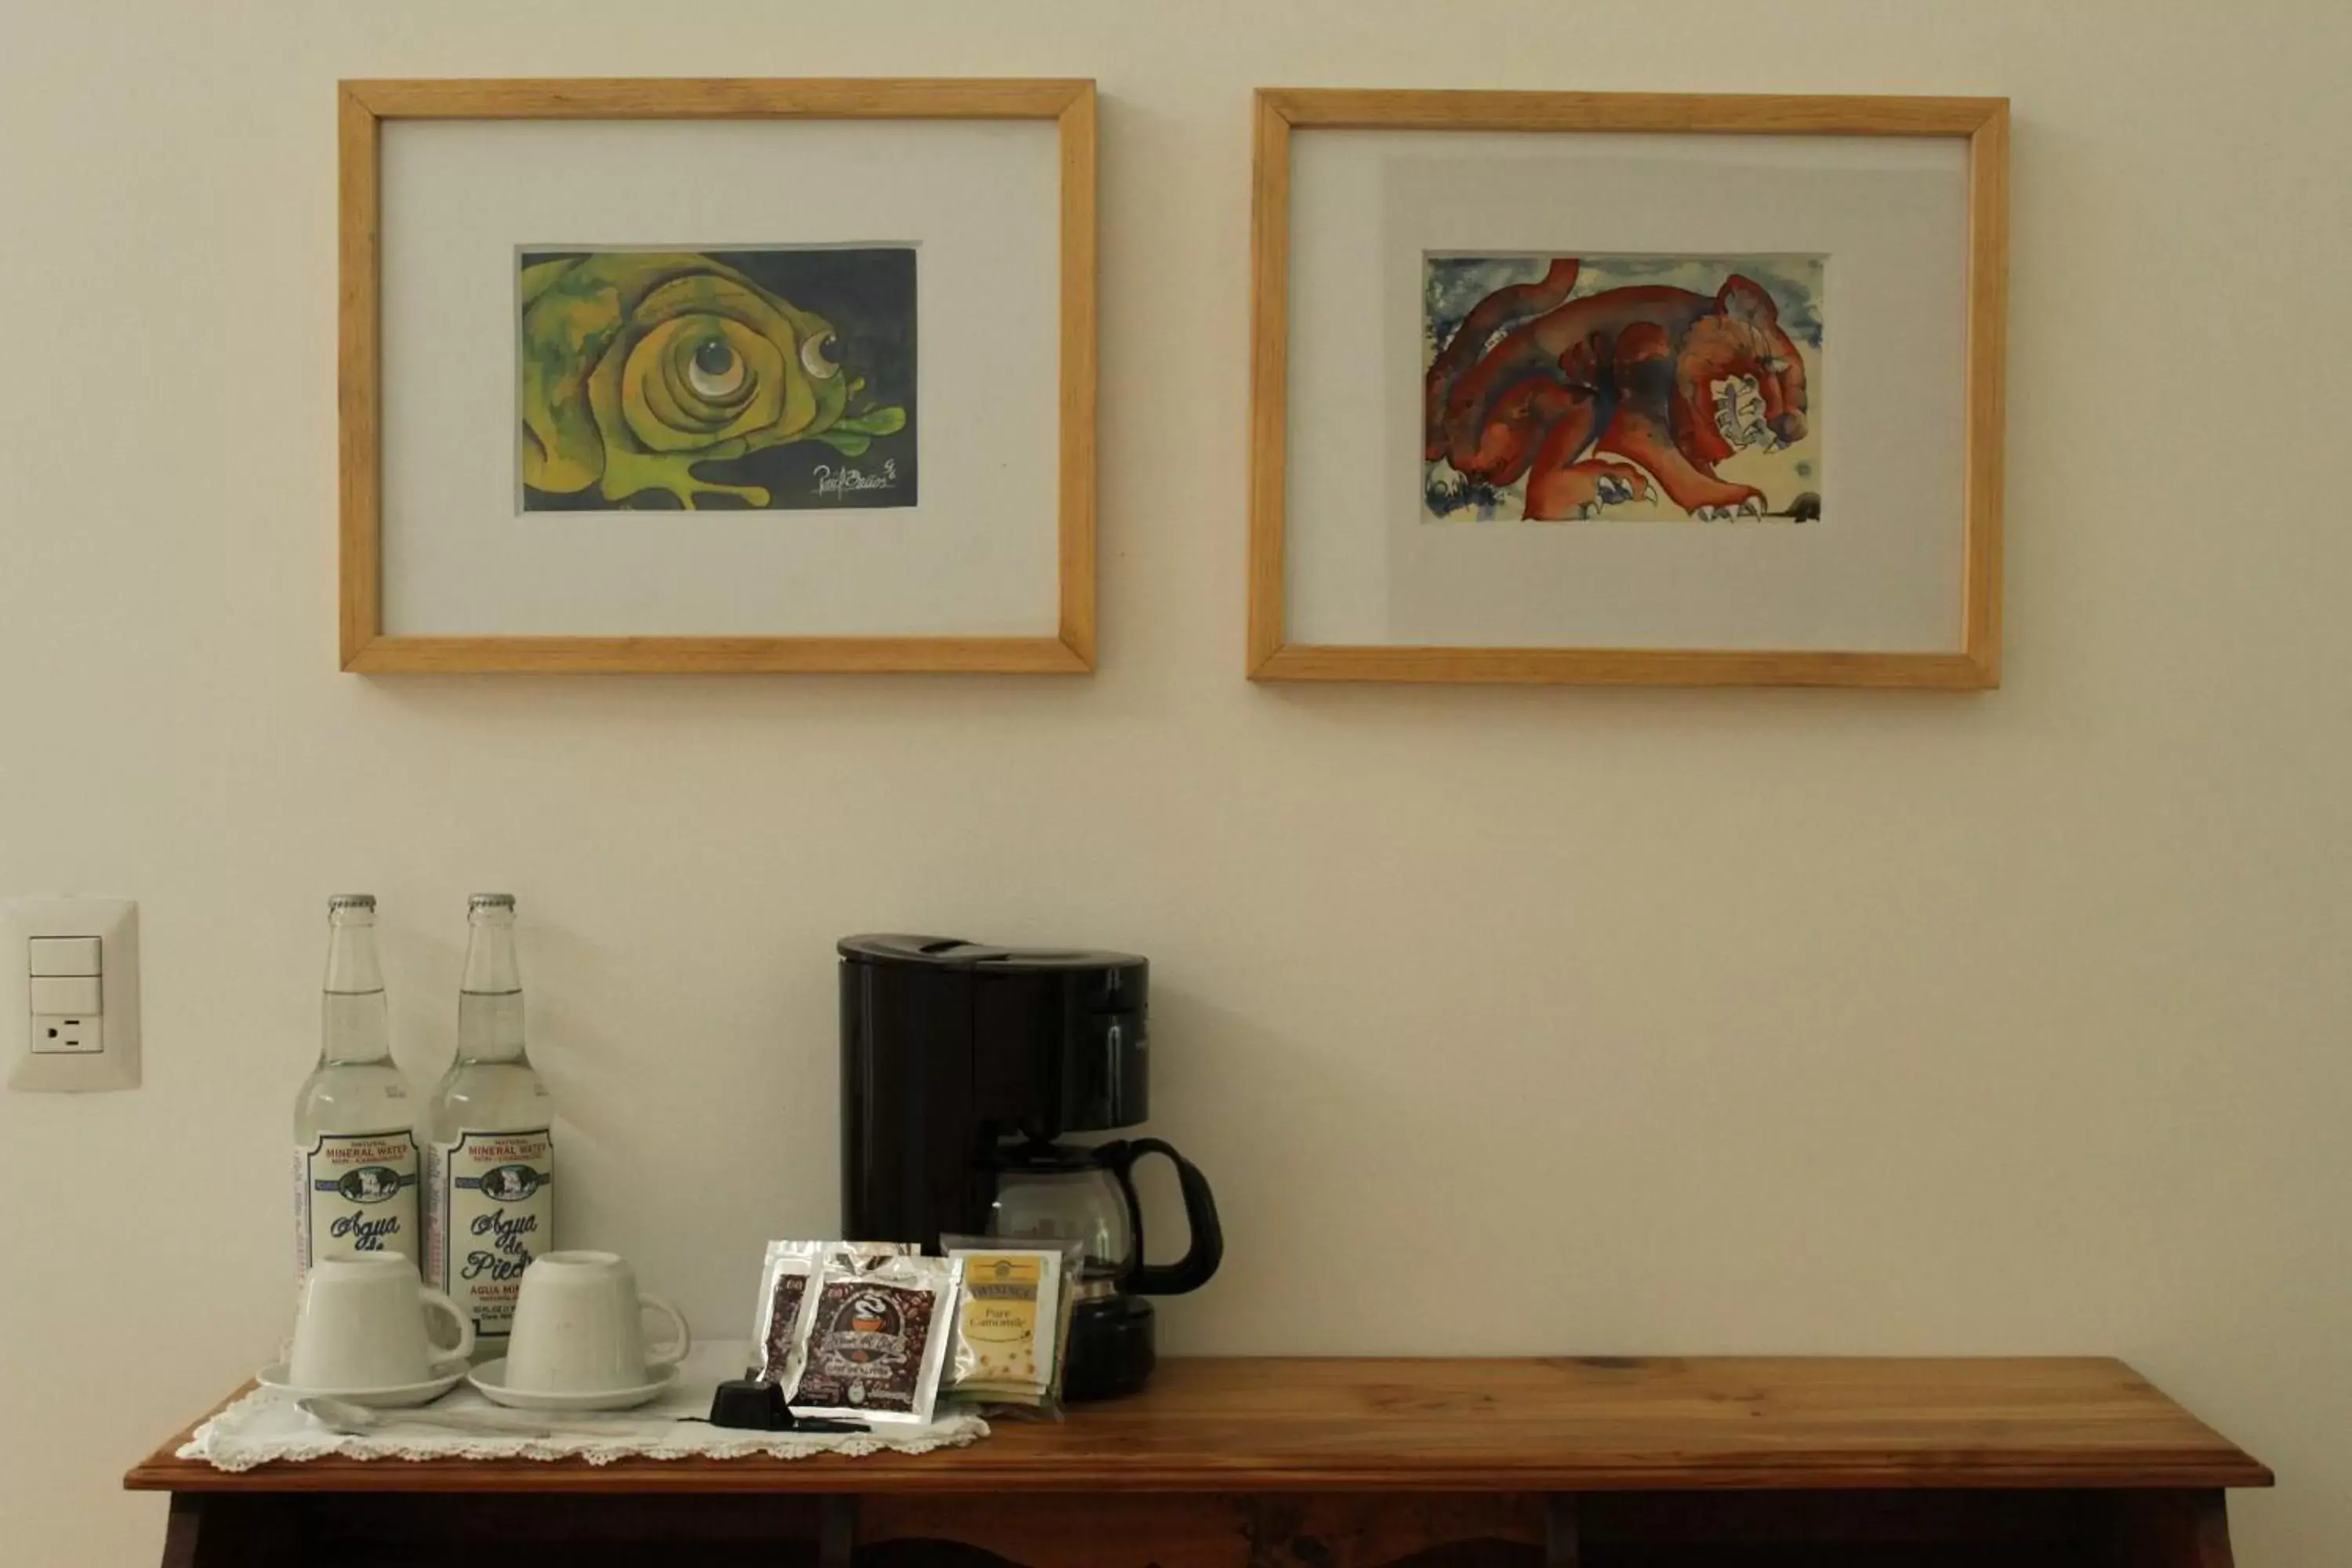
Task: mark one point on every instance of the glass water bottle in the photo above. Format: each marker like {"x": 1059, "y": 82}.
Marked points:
{"x": 490, "y": 1151}
{"x": 355, "y": 1174}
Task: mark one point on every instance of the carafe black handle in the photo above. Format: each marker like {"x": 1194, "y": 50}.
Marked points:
{"x": 1208, "y": 1248}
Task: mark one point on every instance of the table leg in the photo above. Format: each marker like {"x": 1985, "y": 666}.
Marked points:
{"x": 1561, "y": 1546}
{"x": 182, "y": 1529}
{"x": 2172, "y": 1530}
{"x": 837, "y": 1532}
{"x": 228, "y": 1531}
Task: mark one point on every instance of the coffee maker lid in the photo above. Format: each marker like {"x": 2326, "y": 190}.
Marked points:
{"x": 955, "y": 952}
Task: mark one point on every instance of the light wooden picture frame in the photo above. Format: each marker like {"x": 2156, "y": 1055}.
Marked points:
{"x": 366, "y": 106}
{"x": 1980, "y": 125}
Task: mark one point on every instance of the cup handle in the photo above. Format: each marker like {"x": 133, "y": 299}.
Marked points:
{"x": 438, "y": 1301}
{"x": 669, "y": 1356}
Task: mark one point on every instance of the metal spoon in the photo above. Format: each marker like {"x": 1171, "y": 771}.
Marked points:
{"x": 342, "y": 1416}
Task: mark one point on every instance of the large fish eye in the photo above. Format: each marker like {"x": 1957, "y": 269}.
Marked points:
{"x": 815, "y": 360}
{"x": 716, "y": 370}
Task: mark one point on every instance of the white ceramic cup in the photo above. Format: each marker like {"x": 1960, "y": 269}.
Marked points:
{"x": 577, "y": 1327}
{"x": 363, "y": 1326}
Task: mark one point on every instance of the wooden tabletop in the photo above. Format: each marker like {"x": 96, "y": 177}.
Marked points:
{"x": 1457, "y": 1425}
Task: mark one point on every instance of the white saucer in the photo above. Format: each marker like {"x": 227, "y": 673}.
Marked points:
{"x": 445, "y": 1376}
{"x": 489, "y": 1380}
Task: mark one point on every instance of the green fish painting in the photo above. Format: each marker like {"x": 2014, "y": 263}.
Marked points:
{"x": 676, "y": 378}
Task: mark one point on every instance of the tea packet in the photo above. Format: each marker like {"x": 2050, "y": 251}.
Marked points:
{"x": 876, "y": 1339}
{"x": 779, "y": 1330}
{"x": 1012, "y": 1325}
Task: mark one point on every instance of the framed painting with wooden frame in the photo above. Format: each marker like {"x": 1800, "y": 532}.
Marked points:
{"x": 722, "y": 375}
{"x": 1627, "y": 388}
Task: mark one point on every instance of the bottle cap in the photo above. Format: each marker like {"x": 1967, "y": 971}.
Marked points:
{"x": 351, "y": 901}
{"x": 489, "y": 901}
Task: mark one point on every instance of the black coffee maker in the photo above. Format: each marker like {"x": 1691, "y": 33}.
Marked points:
{"x": 963, "y": 1068}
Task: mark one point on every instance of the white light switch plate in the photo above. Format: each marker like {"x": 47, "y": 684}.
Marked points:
{"x": 90, "y": 1049}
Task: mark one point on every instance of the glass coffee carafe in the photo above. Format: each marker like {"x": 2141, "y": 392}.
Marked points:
{"x": 1064, "y": 1193}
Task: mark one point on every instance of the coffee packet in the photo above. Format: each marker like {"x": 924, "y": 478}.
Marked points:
{"x": 876, "y": 1340}
{"x": 779, "y": 1330}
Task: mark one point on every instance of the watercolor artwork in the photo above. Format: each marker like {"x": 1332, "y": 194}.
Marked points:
{"x": 1566, "y": 388}
{"x": 773, "y": 379}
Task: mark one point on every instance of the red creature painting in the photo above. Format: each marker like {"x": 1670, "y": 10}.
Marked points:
{"x": 1635, "y": 397}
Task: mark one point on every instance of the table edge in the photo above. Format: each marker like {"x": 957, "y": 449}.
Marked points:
{"x": 2224, "y": 1464}
{"x": 1927, "y": 1472}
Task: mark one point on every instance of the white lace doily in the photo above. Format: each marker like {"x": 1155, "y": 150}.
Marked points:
{"x": 264, "y": 1426}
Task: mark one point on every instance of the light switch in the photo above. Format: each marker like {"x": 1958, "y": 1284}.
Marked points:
{"x": 65, "y": 955}
{"x": 65, "y": 994}
{"x": 69, "y": 1007}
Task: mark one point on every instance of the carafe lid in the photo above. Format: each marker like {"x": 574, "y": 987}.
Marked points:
{"x": 956, "y": 952}
{"x": 1086, "y": 980}
{"x": 1032, "y": 1156}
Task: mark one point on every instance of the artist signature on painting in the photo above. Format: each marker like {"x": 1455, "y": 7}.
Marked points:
{"x": 839, "y": 482}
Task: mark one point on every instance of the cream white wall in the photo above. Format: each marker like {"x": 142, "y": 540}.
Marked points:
{"x": 1684, "y": 1021}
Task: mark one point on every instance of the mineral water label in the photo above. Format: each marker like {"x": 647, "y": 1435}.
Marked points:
{"x": 355, "y": 1193}
{"x": 493, "y": 1212}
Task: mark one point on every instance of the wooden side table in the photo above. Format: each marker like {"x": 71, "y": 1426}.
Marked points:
{"x": 1594, "y": 1463}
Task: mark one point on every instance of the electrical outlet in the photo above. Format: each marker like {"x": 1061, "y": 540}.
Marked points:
{"x": 69, "y": 992}
{"x": 68, "y": 1035}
